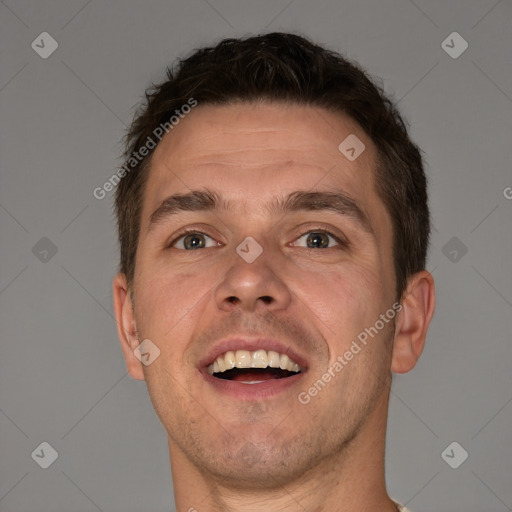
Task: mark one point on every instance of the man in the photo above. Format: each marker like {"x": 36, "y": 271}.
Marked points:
{"x": 274, "y": 225}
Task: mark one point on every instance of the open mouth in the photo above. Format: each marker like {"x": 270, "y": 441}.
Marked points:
{"x": 254, "y": 376}
{"x": 253, "y": 367}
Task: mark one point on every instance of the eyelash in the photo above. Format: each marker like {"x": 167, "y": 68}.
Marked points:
{"x": 186, "y": 232}
{"x": 342, "y": 243}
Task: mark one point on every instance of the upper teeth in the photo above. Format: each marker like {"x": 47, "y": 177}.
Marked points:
{"x": 256, "y": 359}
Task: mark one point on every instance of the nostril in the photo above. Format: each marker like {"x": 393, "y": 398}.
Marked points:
{"x": 265, "y": 298}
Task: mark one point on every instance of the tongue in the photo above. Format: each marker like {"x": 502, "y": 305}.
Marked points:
{"x": 248, "y": 376}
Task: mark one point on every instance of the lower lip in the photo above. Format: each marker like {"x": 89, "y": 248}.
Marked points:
{"x": 261, "y": 390}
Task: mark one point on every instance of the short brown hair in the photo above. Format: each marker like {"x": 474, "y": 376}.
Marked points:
{"x": 287, "y": 68}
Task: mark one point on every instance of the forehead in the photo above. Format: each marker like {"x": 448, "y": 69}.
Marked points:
{"x": 249, "y": 150}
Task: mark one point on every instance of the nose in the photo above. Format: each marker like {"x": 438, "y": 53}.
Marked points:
{"x": 252, "y": 286}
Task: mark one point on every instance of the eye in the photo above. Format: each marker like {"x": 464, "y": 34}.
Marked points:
{"x": 318, "y": 239}
{"x": 193, "y": 240}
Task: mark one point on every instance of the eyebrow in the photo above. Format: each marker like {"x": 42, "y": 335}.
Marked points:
{"x": 208, "y": 200}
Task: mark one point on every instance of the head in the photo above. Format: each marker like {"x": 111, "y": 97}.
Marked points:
{"x": 250, "y": 163}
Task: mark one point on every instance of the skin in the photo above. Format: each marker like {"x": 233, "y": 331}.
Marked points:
{"x": 273, "y": 453}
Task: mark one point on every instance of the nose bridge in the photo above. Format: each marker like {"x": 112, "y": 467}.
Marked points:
{"x": 251, "y": 278}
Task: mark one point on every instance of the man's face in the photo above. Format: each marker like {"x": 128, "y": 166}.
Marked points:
{"x": 323, "y": 276}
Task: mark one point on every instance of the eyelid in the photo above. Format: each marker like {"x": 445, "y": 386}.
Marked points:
{"x": 341, "y": 240}
{"x": 185, "y": 232}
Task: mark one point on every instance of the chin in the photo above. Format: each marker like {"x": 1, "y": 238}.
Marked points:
{"x": 256, "y": 466}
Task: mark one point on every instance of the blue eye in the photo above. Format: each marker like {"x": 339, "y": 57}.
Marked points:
{"x": 193, "y": 240}
{"x": 319, "y": 239}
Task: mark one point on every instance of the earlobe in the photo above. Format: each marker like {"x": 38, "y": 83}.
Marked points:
{"x": 126, "y": 325}
{"x": 412, "y": 323}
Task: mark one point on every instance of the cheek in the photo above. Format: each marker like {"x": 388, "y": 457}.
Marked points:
{"x": 348, "y": 296}
{"x": 346, "y": 302}
{"x": 164, "y": 299}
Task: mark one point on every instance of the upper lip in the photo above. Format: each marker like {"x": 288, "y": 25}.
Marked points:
{"x": 251, "y": 344}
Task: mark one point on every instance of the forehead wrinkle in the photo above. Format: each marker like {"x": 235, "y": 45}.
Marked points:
{"x": 254, "y": 158}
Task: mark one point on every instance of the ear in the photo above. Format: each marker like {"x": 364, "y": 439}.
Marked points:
{"x": 418, "y": 304}
{"x": 126, "y": 325}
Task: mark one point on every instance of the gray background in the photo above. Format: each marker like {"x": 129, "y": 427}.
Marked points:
{"x": 63, "y": 378}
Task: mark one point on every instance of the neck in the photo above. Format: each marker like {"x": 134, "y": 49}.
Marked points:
{"x": 352, "y": 479}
